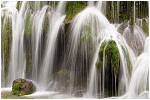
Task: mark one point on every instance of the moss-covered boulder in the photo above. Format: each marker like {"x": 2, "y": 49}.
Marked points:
{"x": 111, "y": 55}
{"x": 22, "y": 87}
{"x": 109, "y": 59}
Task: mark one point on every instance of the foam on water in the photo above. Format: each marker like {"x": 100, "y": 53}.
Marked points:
{"x": 6, "y": 89}
{"x": 41, "y": 94}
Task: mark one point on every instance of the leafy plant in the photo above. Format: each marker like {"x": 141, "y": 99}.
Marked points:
{"x": 5, "y": 96}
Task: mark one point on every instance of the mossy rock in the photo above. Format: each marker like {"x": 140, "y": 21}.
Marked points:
{"x": 111, "y": 66}
{"x": 22, "y": 87}
{"x": 19, "y": 3}
{"x": 73, "y": 7}
{"x": 111, "y": 55}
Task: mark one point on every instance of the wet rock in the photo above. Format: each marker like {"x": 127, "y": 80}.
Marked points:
{"x": 22, "y": 87}
{"x": 122, "y": 27}
{"x": 79, "y": 93}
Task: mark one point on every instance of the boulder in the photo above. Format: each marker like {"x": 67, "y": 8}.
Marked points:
{"x": 22, "y": 87}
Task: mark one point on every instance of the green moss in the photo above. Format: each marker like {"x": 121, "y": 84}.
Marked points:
{"x": 27, "y": 31}
{"x": 19, "y": 3}
{"x": 16, "y": 88}
{"x": 27, "y": 38}
{"x": 63, "y": 72}
{"x": 99, "y": 64}
{"x": 27, "y": 92}
{"x": 64, "y": 76}
{"x": 145, "y": 27}
{"x": 131, "y": 22}
{"x": 6, "y": 33}
{"x": 73, "y": 7}
{"x": 101, "y": 50}
{"x": 111, "y": 53}
{"x": 2, "y": 6}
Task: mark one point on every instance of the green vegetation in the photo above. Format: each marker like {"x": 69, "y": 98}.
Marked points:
{"x": 22, "y": 87}
{"x": 28, "y": 27}
{"x": 16, "y": 88}
{"x": 111, "y": 55}
{"x": 62, "y": 73}
{"x": 19, "y": 3}
{"x": 99, "y": 63}
{"x": 2, "y": 5}
{"x": 6, "y": 33}
{"x": 5, "y": 96}
{"x": 145, "y": 27}
{"x": 27, "y": 38}
{"x": 73, "y": 7}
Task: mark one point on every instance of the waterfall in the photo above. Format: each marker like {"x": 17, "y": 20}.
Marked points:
{"x": 91, "y": 3}
{"x": 109, "y": 33}
{"x": 99, "y": 5}
{"x": 47, "y": 65}
{"x": 85, "y": 56}
{"x": 140, "y": 76}
{"x": 17, "y": 60}
{"x": 135, "y": 38}
{"x": 37, "y": 30}
{"x": 85, "y": 28}
{"x": 3, "y": 70}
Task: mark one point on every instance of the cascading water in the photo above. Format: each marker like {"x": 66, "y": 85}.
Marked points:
{"x": 86, "y": 37}
{"x": 17, "y": 59}
{"x": 101, "y": 5}
{"x": 37, "y": 30}
{"x": 3, "y": 72}
{"x": 123, "y": 64}
{"x": 140, "y": 77}
{"x": 85, "y": 28}
{"x": 47, "y": 66}
{"x": 92, "y": 88}
{"x": 135, "y": 38}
